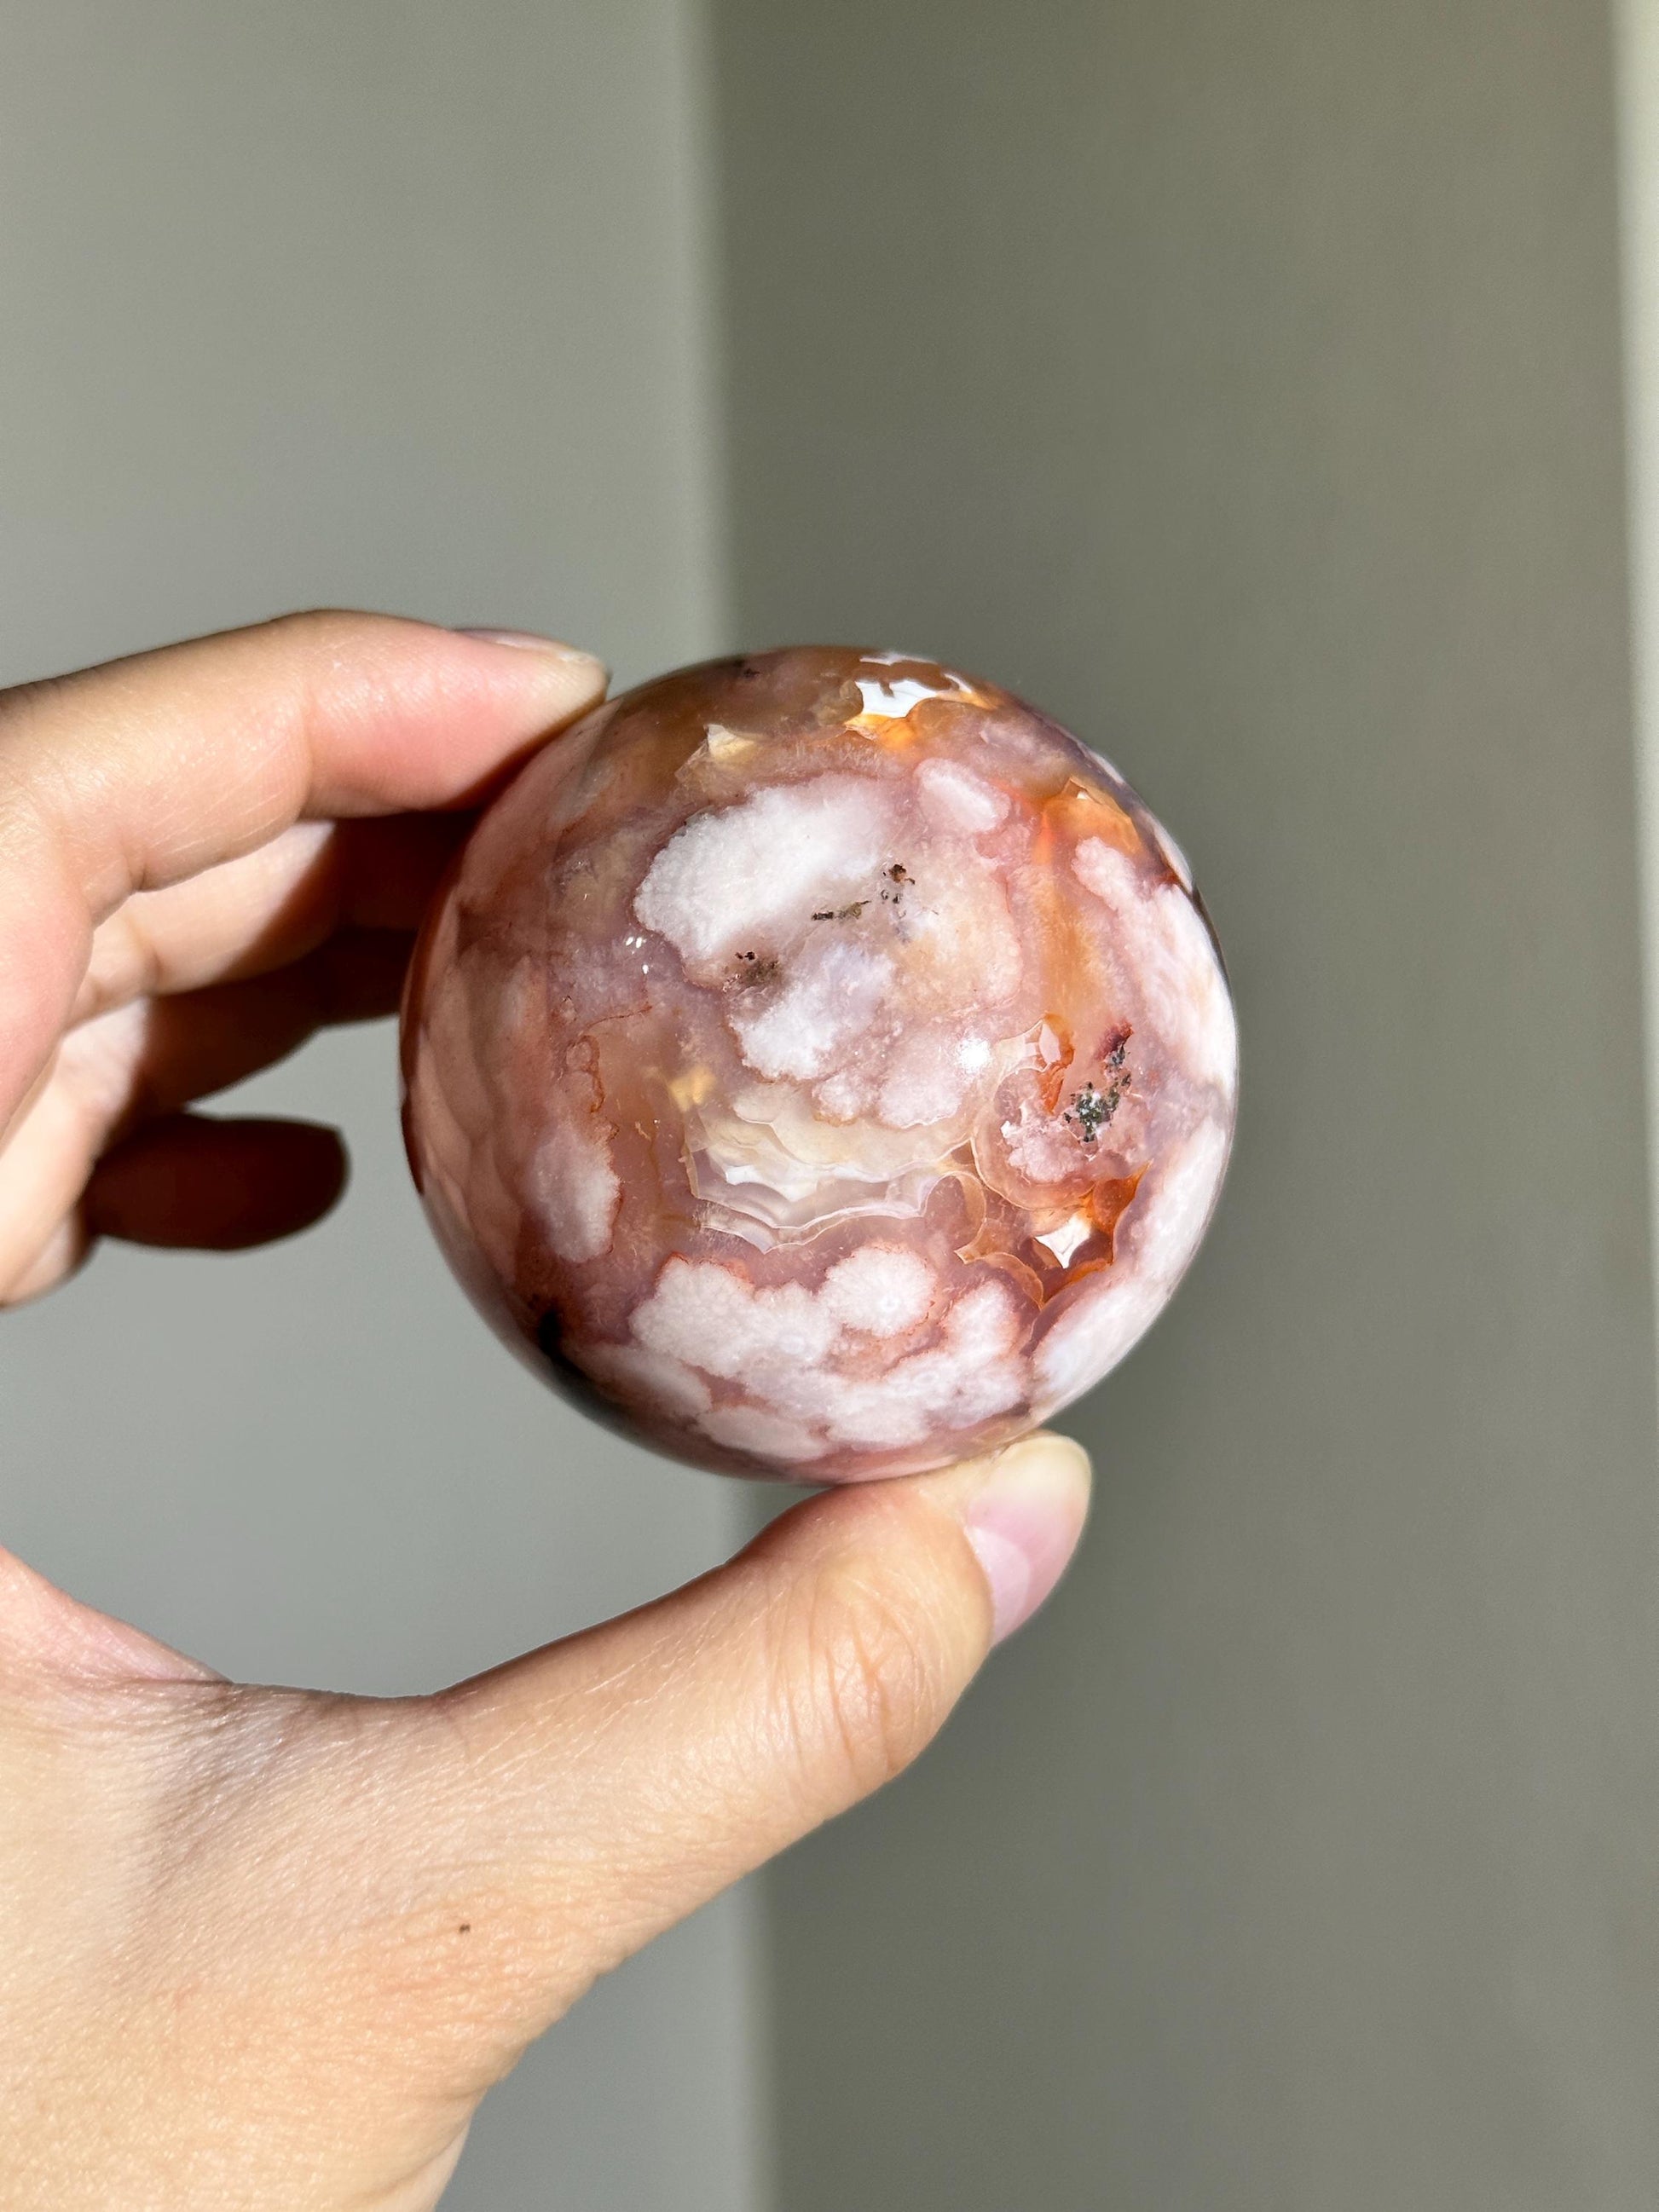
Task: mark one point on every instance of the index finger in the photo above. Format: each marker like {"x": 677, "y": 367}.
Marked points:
{"x": 135, "y": 774}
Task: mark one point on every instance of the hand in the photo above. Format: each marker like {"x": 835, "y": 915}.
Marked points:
{"x": 268, "y": 1948}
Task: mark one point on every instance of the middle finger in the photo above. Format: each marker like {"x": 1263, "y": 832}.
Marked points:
{"x": 268, "y": 907}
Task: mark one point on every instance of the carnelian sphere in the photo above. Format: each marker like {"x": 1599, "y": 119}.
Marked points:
{"x": 818, "y": 1062}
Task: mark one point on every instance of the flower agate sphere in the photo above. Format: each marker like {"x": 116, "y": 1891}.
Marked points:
{"x": 818, "y": 1063}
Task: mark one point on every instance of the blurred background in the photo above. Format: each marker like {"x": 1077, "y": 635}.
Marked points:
{"x": 1268, "y": 391}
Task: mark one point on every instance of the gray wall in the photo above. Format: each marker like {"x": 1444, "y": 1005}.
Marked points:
{"x": 1244, "y": 383}
{"x": 387, "y": 304}
{"x": 1635, "y": 26}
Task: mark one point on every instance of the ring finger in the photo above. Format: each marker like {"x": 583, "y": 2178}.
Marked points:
{"x": 123, "y": 1070}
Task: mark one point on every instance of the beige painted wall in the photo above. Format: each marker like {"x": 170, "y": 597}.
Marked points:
{"x": 1244, "y": 384}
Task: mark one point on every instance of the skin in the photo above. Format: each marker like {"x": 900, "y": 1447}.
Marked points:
{"x": 264, "y": 1948}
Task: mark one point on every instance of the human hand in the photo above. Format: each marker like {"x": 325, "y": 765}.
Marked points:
{"x": 264, "y": 1947}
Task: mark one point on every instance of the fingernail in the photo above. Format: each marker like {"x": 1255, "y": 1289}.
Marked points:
{"x": 1024, "y": 1523}
{"x": 528, "y": 641}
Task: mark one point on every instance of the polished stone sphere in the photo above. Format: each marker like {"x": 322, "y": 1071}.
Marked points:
{"x": 818, "y": 1063}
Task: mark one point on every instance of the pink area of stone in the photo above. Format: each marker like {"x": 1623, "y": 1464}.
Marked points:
{"x": 819, "y": 1063}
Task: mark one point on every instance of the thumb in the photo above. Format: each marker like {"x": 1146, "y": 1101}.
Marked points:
{"x": 587, "y": 1796}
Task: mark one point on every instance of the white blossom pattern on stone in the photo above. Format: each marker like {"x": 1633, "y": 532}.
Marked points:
{"x": 819, "y": 1062}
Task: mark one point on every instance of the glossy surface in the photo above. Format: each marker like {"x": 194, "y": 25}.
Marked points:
{"x": 819, "y": 1063}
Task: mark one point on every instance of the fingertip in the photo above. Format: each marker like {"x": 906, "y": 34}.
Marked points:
{"x": 581, "y": 667}
{"x": 1024, "y": 1521}
{"x": 562, "y": 682}
{"x": 1022, "y": 1510}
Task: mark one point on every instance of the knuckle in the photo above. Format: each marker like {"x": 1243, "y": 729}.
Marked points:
{"x": 306, "y": 649}
{"x": 319, "y": 626}
{"x": 865, "y": 1681}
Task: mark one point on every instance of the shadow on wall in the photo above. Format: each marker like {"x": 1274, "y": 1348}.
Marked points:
{"x": 1241, "y": 385}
